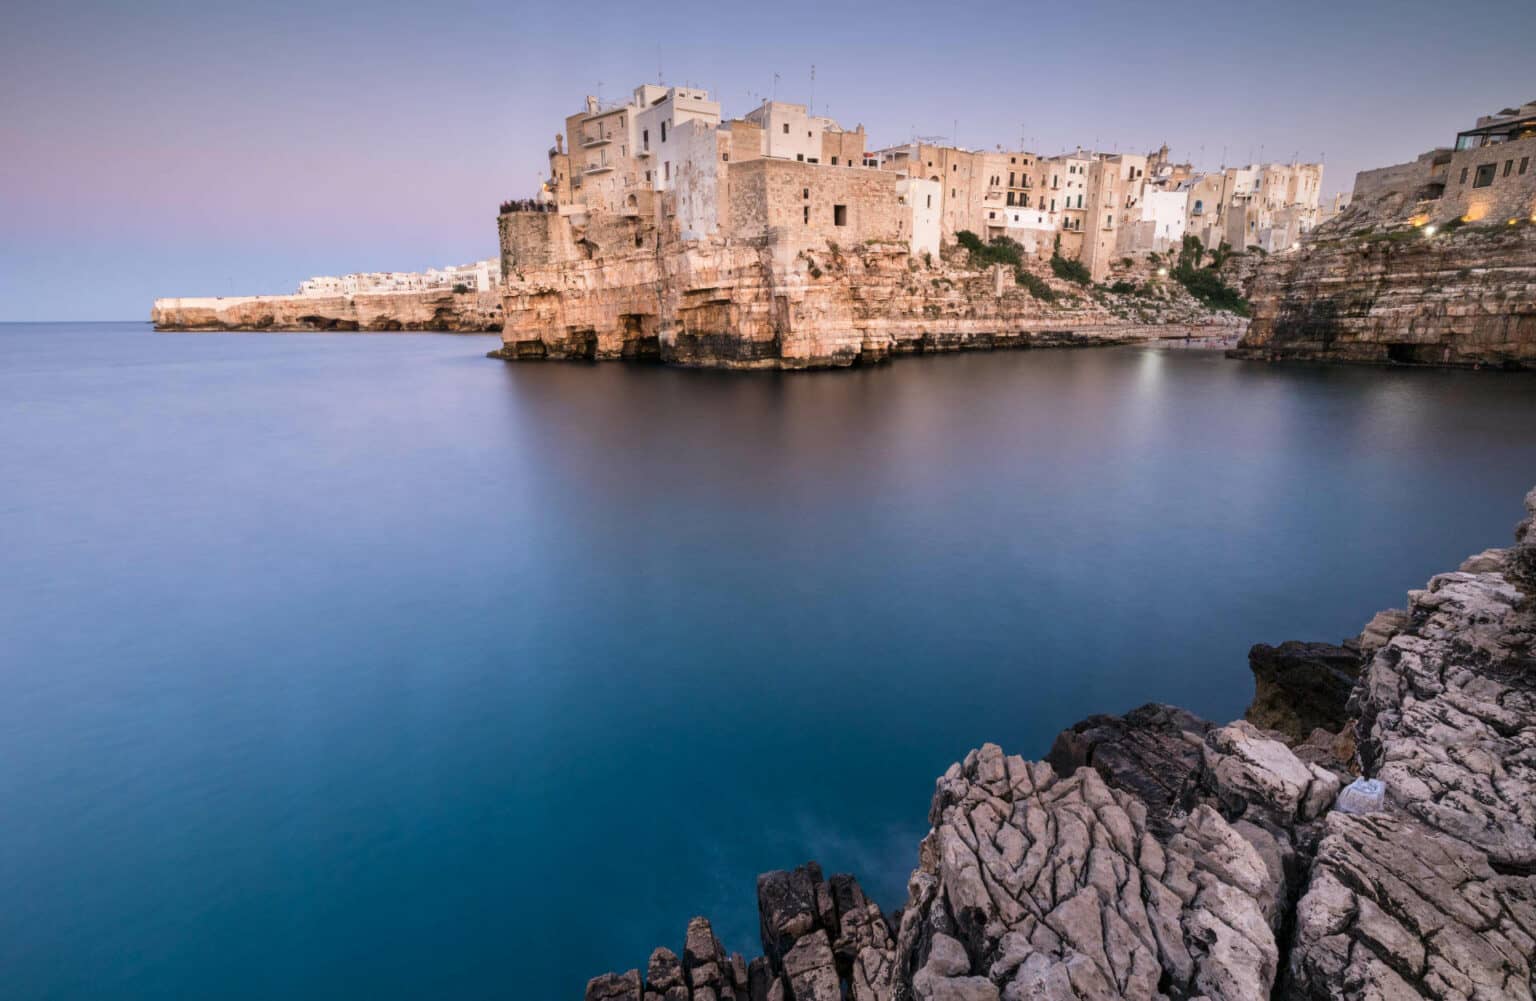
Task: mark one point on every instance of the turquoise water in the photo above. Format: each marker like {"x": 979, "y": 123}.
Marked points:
{"x": 342, "y": 665}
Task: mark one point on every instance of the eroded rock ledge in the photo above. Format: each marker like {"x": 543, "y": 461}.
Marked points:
{"x": 1157, "y": 855}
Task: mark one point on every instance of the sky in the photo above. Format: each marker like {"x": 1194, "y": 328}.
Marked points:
{"x": 178, "y": 148}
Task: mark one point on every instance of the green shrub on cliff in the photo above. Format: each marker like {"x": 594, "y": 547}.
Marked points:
{"x": 1210, "y": 291}
{"x": 1001, "y": 250}
{"x": 1037, "y": 286}
{"x": 1072, "y": 271}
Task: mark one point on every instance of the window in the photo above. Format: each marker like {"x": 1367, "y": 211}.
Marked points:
{"x": 645, "y": 138}
{"x": 1463, "y": 176}
{"x": 805, "y": 193}
{"x": 786, "y": 128}
{"x": 806, "y": 213}
{"x": 1109, "y": 222}
{"x": 1508, "y": 166}
{"x": 1010, "y": 198}
{"x": 666, "y": 171}
{"x": 1079, "y": 201}
{"x": 1525, "y": 161}
{"x": 800, "y": 157}
{"x": 839, "y": 215}
{"x": 991, "y": 215}
{"x": 663, "y": 131}
{"x": 1199, "y": 206}
{"x": 647, "y": 177}
{"x": 834, "y": 161}
{"x": 930, "y": 201}
{"x": 1010, "y": 178}
{"x": 953, "y": 193}
{"x": 1484, "y": 176}
{"x": 725, "y": 157}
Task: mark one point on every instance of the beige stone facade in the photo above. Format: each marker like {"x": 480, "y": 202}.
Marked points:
{"x": 1489, "y": 176}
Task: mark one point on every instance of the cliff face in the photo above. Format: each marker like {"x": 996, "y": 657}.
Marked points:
{"x": 444, "y": 310}
{"x": 1157, "y": 855}
{"x": 618, "y": 288}
{"x": 1465, "y": 297}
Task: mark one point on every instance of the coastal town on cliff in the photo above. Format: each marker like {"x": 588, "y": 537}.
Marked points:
{"x": 868, "y": 502}
{"x": 780, "y": 240}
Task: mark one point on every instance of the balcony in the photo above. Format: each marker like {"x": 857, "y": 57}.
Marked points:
{"x": 598, "y": 168}
{"x": 587, "y": 142}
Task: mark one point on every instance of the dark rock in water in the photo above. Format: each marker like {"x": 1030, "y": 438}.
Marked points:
{"x": 615, "y": 987}
{"x": 1151, "y": 752}
{"x": 1300, "y": 687}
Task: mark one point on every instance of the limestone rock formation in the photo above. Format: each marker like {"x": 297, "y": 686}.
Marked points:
{"x": 440, "y": 310}
{"x": 619, "y": 287}
{"x": 1464, "y": 298}
{"x": 1156, "y": 855}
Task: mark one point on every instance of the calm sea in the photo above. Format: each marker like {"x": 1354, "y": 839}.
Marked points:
{"x": 363, "y": 666}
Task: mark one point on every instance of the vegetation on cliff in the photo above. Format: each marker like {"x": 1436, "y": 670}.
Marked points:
{"x": 1205, "y": 283}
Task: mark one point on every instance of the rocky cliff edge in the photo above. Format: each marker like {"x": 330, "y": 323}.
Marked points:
{"x": 1158, "y": 855}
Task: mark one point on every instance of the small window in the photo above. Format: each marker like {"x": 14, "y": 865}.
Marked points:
{"x": 1525, "y": 162}
{"x": 806, "y": 214}
{"x": 1463, "y": 175}
{"x": 930, "y": 201}
{"x": 786, "y": 128}
{"x": 839, "y": 215}
{"x": 1484, "y": 175}
{"x": 645, "y": 138}
{"x": 800, "y": 157}
{"x": 726, "y": 157}
{"x": 834, "y": 161}
{"x": 663, "y": 131}
{"x": 805, "y": 193}
{"x": 1508, "y": 166}
{"x": 666, "y": 170}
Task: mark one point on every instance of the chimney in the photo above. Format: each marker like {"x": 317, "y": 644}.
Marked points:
{"x": 591, "y": 105}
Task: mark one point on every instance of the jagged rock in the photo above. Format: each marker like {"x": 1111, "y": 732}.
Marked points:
{"x": 614, "y": 987}
{"x": 1151, "y": 752}
{"x": 1395, "y": 910}
{"x": 1300, "y": 687}
{"x": 1248, "y": 771}
{"x": 1385, "y": 625}
{"x": 1049, "y": 880}
{"x": 1448, "y": 715}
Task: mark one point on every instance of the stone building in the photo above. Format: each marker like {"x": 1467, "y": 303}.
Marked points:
{"x": 1489, "y": 175}
{"x": 608, "y": 153}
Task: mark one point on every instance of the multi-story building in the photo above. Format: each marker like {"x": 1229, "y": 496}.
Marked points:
{"x": 610, "y": 153}
{"x": 671, "y": 142}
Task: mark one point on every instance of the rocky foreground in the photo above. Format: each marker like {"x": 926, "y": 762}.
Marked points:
{"x": 1158, "y": 855}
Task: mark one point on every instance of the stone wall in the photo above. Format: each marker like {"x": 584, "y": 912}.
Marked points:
{"x": 437, "y": 310}
{"x": 1466, "y": 297}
